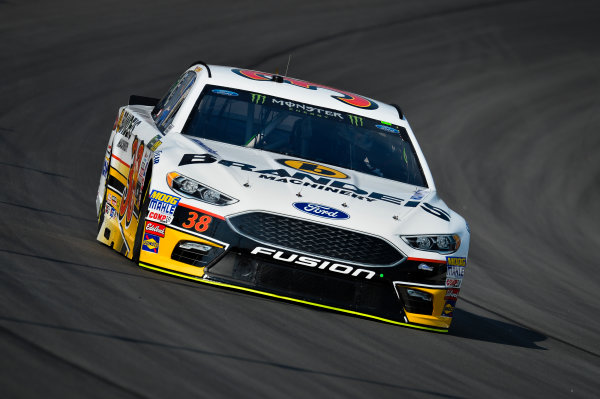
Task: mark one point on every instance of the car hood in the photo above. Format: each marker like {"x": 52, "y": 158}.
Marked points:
{"x": 277, "y": 183}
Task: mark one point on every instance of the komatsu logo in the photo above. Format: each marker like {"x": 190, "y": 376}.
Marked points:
{"x": 313, "y": 262}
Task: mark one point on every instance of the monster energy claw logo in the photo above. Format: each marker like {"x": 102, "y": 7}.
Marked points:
{"x": 356, "y": 120}
{"x": 258, "y": 98}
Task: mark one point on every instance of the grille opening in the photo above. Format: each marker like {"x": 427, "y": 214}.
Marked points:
{"x": 317, "y": 239}
{"x": 190, "y": 252}
{"x": 415, "y": 304}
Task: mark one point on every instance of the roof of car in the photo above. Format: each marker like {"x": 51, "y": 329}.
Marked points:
{"x": 302, "y": 91}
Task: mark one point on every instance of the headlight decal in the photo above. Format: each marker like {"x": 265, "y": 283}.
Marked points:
{"x": 190, "y": 188}
{"x": 443, "y": 243}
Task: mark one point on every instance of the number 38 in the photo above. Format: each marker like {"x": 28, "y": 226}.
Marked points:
{"x": 201, "y": 225}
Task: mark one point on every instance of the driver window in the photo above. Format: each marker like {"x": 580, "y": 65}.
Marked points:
{"x": 167, "y": 108}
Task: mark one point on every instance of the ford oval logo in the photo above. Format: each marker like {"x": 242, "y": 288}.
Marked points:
{"x": 320, "y": 210}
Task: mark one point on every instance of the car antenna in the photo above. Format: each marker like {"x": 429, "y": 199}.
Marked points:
{"x": 277, "y": 77}
{"x": 287, "y": 66}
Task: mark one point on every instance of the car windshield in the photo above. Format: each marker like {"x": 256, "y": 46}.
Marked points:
{"x": 305, "y": 131}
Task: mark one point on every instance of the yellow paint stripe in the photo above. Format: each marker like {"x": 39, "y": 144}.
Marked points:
{"x": 158, "y": 269}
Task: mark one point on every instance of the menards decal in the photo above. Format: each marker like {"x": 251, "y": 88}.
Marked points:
{"x": 299, "y": 178}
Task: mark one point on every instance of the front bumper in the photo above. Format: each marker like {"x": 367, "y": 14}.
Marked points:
{"x": 214, "y": 253}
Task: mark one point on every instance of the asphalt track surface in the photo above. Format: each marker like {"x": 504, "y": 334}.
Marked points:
{"x": 504, "y": 98}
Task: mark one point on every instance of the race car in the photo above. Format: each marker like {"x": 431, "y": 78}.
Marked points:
{"x": 276, "y": 186}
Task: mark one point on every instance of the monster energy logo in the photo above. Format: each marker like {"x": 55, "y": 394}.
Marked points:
{"x": 356, "y": 120}
{"x": 258, "y": 98}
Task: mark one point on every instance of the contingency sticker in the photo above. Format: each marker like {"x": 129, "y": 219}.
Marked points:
{"x": 455, "y": 271}
{"x": 162, "y": 206}
{"x": 448, "y": 310}
{"x": 155, "y": 228}
{"x": 150, "y": 243}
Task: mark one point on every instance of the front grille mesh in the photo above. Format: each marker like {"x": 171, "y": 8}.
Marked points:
{"x": 315, "y": 238}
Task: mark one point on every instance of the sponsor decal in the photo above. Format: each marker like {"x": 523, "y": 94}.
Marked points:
{"x": 154, "y": 143}
{"x": 307, "y": 109}
{"x": 197, "y": 69}
{"x": 313, "y": 168}
{"x": 258, "y": 98}
{"x": 144, "y": 165}
{"x": 355, "y": 120}
{"x": 290, "y": 257}
{"x": 201, "y": 144}
{"x": 448, "y": 310}
{"x": 304, "y": 179}
{"x": 150, "y": 243}
{"x": 435, "y": 211}
{"x": 453, "y": 282}
{"x": 157, "y": 157}
{"x": 456, "y": 261}
{"x": 388, "y": 129}
{"x": 189, "y": 159}
{"x": 455, "y": 272}
{"x": 126, "y": 124}
{"x": 451, "y": 294}
{"x": 123, "y": 144}
{"x": 162, "y": 206}
{"x": 110, "y": 211}
{"x": 133, "y": 189}
{"x": 105, "y": 168}
{"x": 225, "y": 92}
{"x": 155, "y": 228}
{"x": 112, "y": 199}
{"x": 320, "y": 210}
{"x": 340, "y": 95}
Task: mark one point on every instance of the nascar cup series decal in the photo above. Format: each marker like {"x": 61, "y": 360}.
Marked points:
{"x": 320, "y": 210}
{"x": 162, "y": 206}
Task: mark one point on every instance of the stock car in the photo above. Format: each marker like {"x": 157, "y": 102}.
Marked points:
{"x": 276, "y": 186}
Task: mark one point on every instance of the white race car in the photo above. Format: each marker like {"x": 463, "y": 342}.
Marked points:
{"x": 294, "y": 190}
